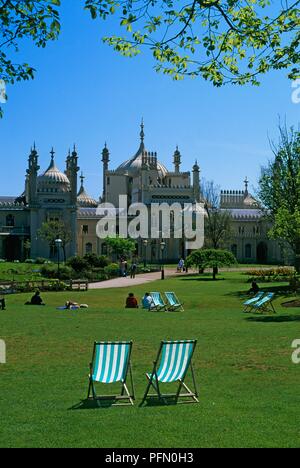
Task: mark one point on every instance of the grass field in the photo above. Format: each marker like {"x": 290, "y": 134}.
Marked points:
{"x": 249, "y": 388}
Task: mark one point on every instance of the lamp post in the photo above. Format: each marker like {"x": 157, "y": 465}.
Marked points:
{"x": 162, "y": 248}
{"x": 58, "y": 243}
{"x": 145, "y": 242}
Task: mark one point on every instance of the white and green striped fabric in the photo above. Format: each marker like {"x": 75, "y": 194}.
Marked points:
{"x": 157, "y": 300}
{"x": 175, "y": 360}
{"x": 172, "y": 299}
{"x": 111, "y": 361}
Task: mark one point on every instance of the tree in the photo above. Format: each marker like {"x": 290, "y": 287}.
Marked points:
{"x": 52, "y": 230}
{"x": 221, "y": 40}
{"x": 218, "y": 223}
{"x": 224, "y": 41}
{"x": 279, "y": 191}
{"x": 24, "y": 19}
{"x": 119, "y": 246}
{"x": 211, "y": 258}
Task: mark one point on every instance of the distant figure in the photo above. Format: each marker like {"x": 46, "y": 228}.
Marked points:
{"x": 180, "y": 266}
{"x": 131, "y": 302}
{"x": 36, "y": 300}
{"x": 133, "y": 269}
{"x": 72, "y": 305}
{"x": 254, "y": 288}
{"x": 147, "y": 301}
{"x": 2, "y": 303}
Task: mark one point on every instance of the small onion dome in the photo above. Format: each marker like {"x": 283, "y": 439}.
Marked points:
{"x": 83, "y": 199}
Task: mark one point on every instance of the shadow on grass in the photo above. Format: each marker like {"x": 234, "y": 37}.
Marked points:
{"x": 283, "y": 291}
{"x": 93, "y": 404}
{"x": 201, "y": 278}
{"x": 275, "y": 319}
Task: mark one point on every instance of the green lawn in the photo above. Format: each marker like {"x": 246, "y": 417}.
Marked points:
{"x": 249, "y": 388}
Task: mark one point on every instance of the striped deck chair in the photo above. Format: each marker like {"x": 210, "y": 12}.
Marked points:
{"x": 111, "y": 364}
{"x": 157, "y": 301}
{"x": 173, "y": 302}
{"x": 175, "y": 360}
{"x": 250, "y": 302}
{"x": 265, "y": 304}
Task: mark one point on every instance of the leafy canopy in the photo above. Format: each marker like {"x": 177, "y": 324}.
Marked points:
{"x": 221, "y": 40}
{"x": 224, "y": 41}
{"x": 280, "y": 189}
{"x": 211, "y": 258}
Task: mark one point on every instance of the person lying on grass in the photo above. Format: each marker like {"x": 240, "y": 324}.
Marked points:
{"x": 131, "y": 302}
{"x": 36, "y": 300}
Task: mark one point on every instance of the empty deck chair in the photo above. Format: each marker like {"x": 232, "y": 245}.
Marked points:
{"x": 173, "y": 302}
{"x": 265, "y": 304}
{"x": 250, "y": 302}
{"x": 175, "y": 360}
{"x": 111, "y": 364}
{"x": 157, "y": 302}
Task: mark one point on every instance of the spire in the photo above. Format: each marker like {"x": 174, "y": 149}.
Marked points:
{"x": 82, "y": 179}
{"x": 246, "y": 182}
{"x": 105, "y": 154}
{"x": 177, "y": 159}
{"x": 142, "y": 134}
{"x": 196, "y": 167}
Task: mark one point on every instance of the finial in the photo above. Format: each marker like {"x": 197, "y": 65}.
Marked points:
{"x": 246, "y": 182}
{"x": 82, "y": 179}
{"x": 52, "y": 152}
{"x": 142, "y": 134}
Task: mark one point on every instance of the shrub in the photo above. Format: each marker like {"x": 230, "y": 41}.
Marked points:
{"x": 112, "y": 270}
{"x": 29, "y": 260}
{"x": 78, "y": 264}
{"x": 95, "y": 261}
{"x": 41, "y": 261}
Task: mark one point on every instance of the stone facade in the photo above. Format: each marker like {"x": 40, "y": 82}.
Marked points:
{"x": 54, "y": 195}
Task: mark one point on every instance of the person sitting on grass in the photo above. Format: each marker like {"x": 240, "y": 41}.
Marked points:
{"x": 131, "y": 302}
{"x": 147, "y": 301}
{"x": 36, "y": 300}
{"x": 254, "y": 288}
{"x": 2, "y": 303}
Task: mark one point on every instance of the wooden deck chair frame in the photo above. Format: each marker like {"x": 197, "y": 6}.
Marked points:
{"x": 125, "y": 394}
{"x": 157, "y": 307}
{"x": 266, "y": 307}
{"x": 172, "y": 307}
{"x": 153, "y": 380}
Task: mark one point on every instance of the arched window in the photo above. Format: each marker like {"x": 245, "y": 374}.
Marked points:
{"x": 248, "y": 251}
{"x": 234, "y": 249}
{"x": 88, "y": 248}
{"x": 10, "y": 220}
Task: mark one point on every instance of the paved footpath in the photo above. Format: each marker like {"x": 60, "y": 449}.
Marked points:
{"x": 145, "y": 278}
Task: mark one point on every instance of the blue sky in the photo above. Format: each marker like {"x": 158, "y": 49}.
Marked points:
{"x": 85, "y": 93}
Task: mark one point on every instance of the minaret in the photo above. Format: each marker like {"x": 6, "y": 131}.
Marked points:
{"x": 196, "y": 181}
{"x": 31, "y": 177}
{"x": 177, "y": 160}
{"x": 105, "y": 161}
{"x": 73, "y": 169}
{"x": 246, "y": 182}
